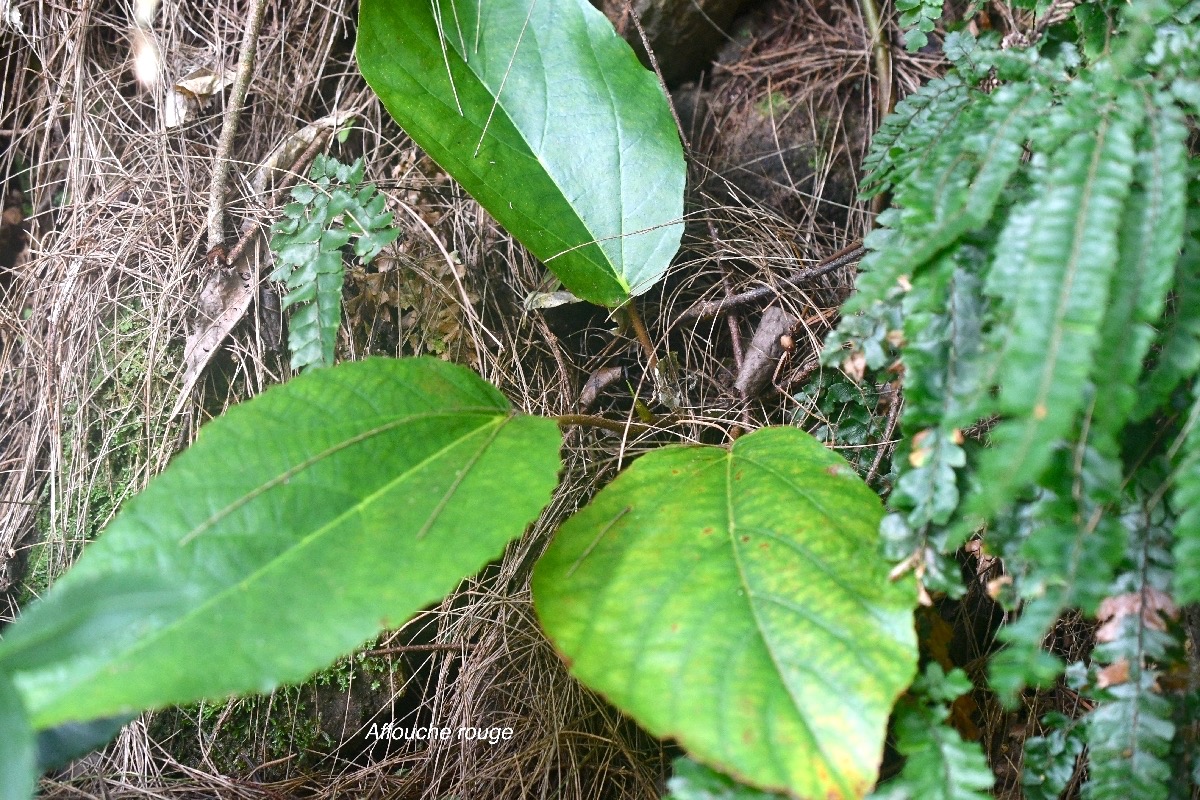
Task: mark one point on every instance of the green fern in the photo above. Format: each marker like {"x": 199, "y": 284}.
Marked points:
{"x": 1150, "y": 237}
{"x": 1130, "y": 730}
{"x": 326, "y": 214}
{"x": 1070, "y": 261}
{"x": 939, "y": 765}
{"x": 918, "y": 18}
{"x": 908, "y": 134}
{"x": 1186, "y": 498}
{"x": 1035, "y": 288}
{"x": 1179, "y": 346}
{"x": 1050, "y": 760}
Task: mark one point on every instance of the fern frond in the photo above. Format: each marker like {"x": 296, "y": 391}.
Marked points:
{"x": 1072, "y": 253}
{"x": 1130, "y": 737}
{"x": 1151, "y": 235}
{"x": 918, "y": 18}
{"x": 1062, "y": 552}
{"x": 944, "y": 345}
{"x": 907, "y": 134}
{"x": 1186, "y": 498}
{"x": 1179, "y": 351}
{"x": 956, "y": 188}
{"x": 939, "y": 765}
{"x": 1050, "y": 760}
{"x": 1130, "y": 731}
{"x": 323, "y": 218}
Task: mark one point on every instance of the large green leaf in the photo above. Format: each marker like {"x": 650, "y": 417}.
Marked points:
{"x": 299, "y": 524}
{"x": 546, "y": 117}
{"x": 735, "y": 600}
{"x": 18, "y": 750}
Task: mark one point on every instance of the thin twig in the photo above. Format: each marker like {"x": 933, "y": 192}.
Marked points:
{"x": 735, "y": 328}
{"x": 735, "y": 335}
{"x": 881, "y": 55}
{"x": 285, "y": 183}
{"x": 229, "y": 126}
{"x": 892, "y": 417}
{"x": 637, "y": 23}
{"x": 419, "y": 648}
{"x": 715, "y": 308}
{"x": 614, "y": 425}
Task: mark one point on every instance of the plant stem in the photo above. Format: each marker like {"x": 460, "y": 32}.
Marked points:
{"x": 594, "y": 421}
{"x": 639, "y": 329}
{"x": 298, "y": 167}
{"x": 637, "y": 23}
{"x": 229, "y": 126}
{"x": 880, "y": 54}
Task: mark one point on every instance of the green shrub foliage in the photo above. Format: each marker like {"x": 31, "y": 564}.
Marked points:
{"x": 1035, "y": 283}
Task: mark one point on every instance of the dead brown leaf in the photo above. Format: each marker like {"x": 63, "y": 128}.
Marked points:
{"x": 1152, "y": 604}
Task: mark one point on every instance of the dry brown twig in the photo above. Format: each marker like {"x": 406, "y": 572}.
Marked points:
{"x": 229, "y": 128}
{"x": 714, "y": 308}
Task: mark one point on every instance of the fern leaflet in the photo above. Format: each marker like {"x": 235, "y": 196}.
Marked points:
{"x": 325, "y": 215}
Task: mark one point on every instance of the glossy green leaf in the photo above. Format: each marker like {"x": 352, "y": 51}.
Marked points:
{"x": 543, "y": 113}
{"x": 734, "y": 599}
{"x": 18, "y": 749}
{"x": 299, "y": 524}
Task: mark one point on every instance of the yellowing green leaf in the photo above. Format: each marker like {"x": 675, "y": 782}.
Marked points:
{"x": 735, "y": 600}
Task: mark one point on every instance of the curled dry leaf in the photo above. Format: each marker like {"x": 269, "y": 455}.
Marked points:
{"x": 996, "y": 585}
{"x": 855, "y": 366}
{"x": 537, "y": 300}
{"x": 1152, "y": 604}
{"x": 920, "y": 453}
{"x": 191, "y": 93}
{"x": 286, "y": 152}
{"x": 599, "y": 380}
{"x": 222, "y": 303}
{"x": 1114, "y": 674}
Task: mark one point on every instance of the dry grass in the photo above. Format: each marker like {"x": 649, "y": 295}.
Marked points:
{"x": 93, "y": 319}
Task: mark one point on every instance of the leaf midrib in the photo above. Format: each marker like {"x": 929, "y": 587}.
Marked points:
{"x": 328, "y": 452}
